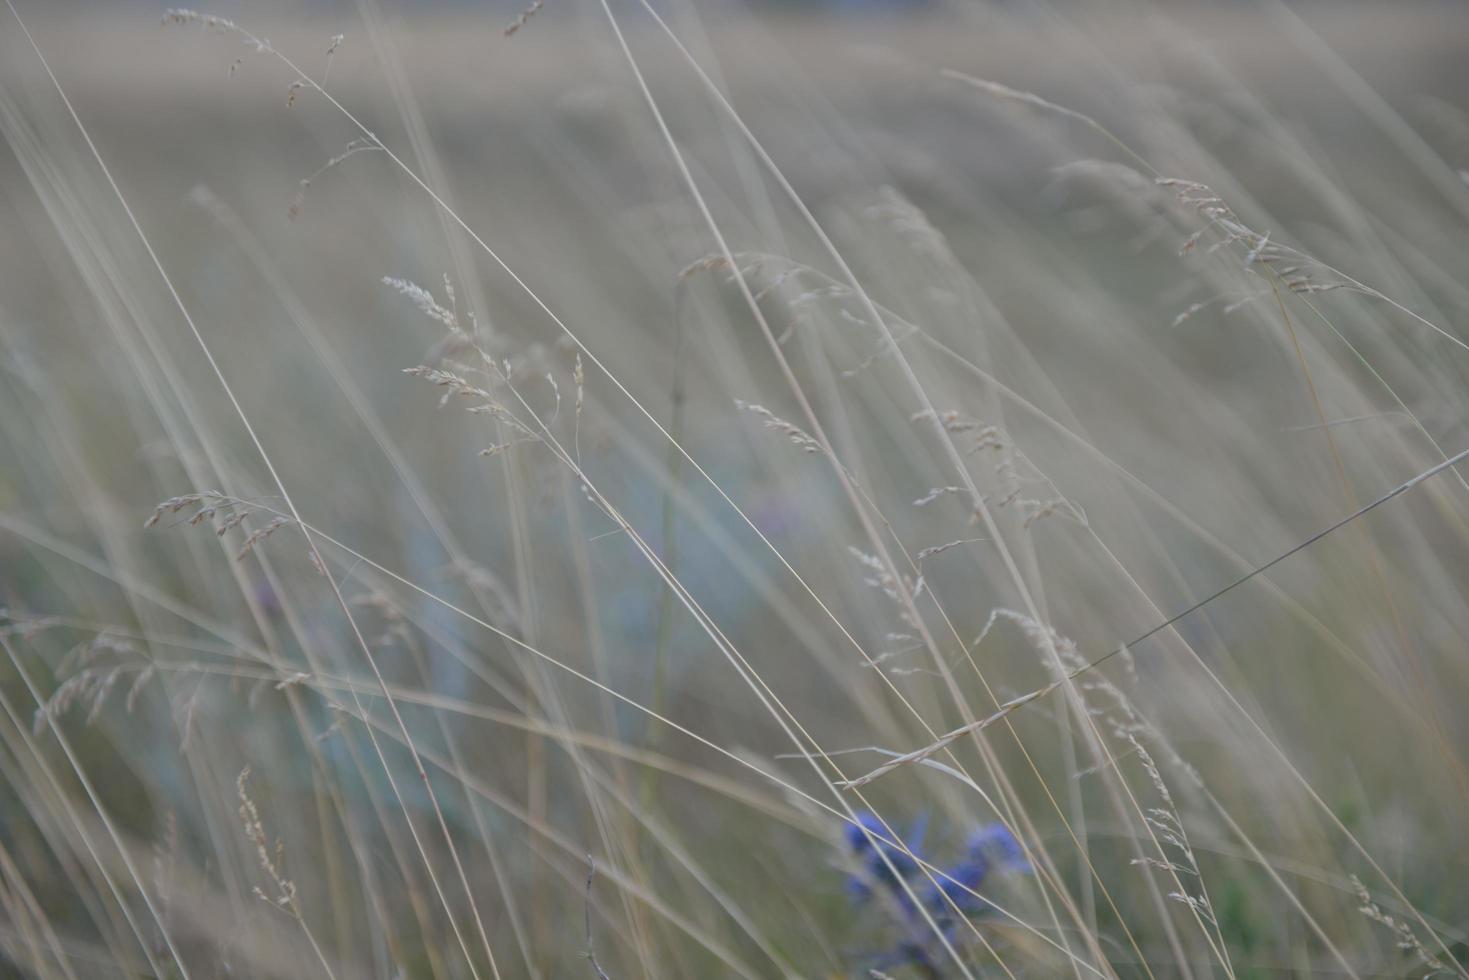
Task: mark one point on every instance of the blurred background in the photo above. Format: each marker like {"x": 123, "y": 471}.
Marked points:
{"x": 837, "y": 370}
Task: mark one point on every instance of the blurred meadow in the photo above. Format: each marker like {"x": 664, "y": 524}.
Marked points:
{"x": 672, "y": 489}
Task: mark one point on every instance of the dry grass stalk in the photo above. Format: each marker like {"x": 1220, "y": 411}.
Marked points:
{"x": 524, "y": 18}
{"x": 798, "y": 436}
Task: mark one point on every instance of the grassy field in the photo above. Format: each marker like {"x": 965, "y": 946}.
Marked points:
{"x": 969, "y": 492}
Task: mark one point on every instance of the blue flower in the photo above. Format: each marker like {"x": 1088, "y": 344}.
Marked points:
{"x": 885, "y": 863}
{"x": 995, "y": 844}
{"x": 958, "y": 885}
{"x": 856, "y": 833}
{"x": 871, "y": 842}
{"x": 990, "y": 847}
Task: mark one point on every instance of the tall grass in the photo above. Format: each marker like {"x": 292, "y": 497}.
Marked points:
{"x": 970, "y": 494}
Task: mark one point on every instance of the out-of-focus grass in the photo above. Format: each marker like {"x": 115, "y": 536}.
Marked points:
{"x": 1134, "y": 429}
